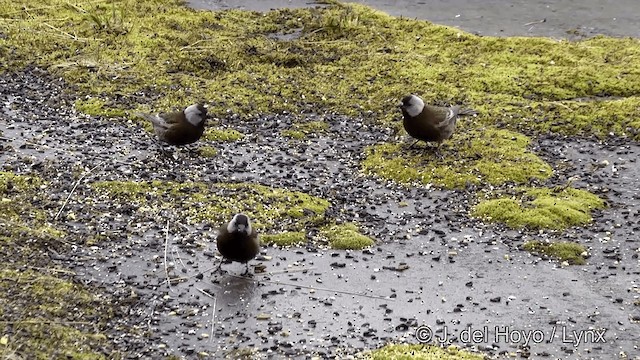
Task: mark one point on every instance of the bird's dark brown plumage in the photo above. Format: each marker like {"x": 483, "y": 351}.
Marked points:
{"x": 238, "y": 240}
{"x": 175, "y": 128}
{"x": 429, "y": 123}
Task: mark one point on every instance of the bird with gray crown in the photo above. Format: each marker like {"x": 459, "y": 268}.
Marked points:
{"x": 238, "y": 241}
{"x": 427, "y": 122}
{"x": 180, "y": 127}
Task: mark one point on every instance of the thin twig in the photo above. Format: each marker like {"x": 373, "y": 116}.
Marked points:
{"x": 213, "y": 313}
{"x": 53, "y": 270}
{"x": 191, "y": 45}
{"x": 213, "y": 317}
{"x": 314, "y": 288}
{"x": 206, "y": 293}
{"x": 166, "y": 247}
{"x": 535, "y": 22}
{"x": 174, "y": 250}
{"x": 288, "y": 271}
{"x": 73, "y": 37}
{"x": 561, "y": 104}
{"x": 74, "y": 189}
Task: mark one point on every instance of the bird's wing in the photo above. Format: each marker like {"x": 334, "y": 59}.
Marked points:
{"x": 156, "y": 119}
{"x": 448, "y": 115}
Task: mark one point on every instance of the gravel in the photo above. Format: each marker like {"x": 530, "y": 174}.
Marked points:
{"x": 431, "y": 266}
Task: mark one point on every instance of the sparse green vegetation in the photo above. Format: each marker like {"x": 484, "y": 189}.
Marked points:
{"x": 97, "y": 107}
{"x": 213, "y": 134}
{"x": 207, "y": 151}
{"x": 269, "y": 208}
{"x": 294, "y": 134}
{"x": 284, "y": 239}
{"x": 420, "y": 352}
{"x": 303, "y": 129}
{"x": 348, "y": 59}
{"x": 571, "y": 252}
{"x": 17, "y": 215}
{"x": 43, "y": 315}
{"x": 346, "y": 237}
{"x": 50, "y": 310}
{"x": 540, "y": 208}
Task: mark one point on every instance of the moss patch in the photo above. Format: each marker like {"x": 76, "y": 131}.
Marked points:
{"x": 294, "y": 134}
{"x": 52, "y": 317}
{"x": 17, "y": 214}
{"x": 207, "y": 151}
{"x": 347, "y": 58}
{"x": 571, "y": 252}
{"x": 271, "y": 209}
{"x": 94, "y": 106}
{"x": 489, "y": 156}
{"x": 346, "y": 237}
{"x": 420, "y": 352}
{"x": 214, "y": 134}
{"x": 284, "y": 239}
{"x": 541, "y": 208}
{"x": 44, "y": 316}
{"x": 303, "y": 129}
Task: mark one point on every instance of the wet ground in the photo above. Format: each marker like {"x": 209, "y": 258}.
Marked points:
{"x": 572, "y": 19}
{"x": 432, "y": 269}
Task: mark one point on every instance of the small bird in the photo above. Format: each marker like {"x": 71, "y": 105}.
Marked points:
{"x": 238, "y": 241}
{"x": 180, "y": 127}
{"x": 429, "y": 123}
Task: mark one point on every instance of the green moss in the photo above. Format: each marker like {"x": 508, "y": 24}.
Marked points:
{"x": 294, "y": 134}
{"x": 571, "y": 252}
{"x": 48, "y": 308}
{"x": 95, "y": 106}
{"x": 213, "y": 134}
{"x": 348, "y": 59}
{"x": 539, "y": 208}
{"x": 207, "y": 151}
{"x": 271, "y": 209}
{"x": 18, "y": 215}
{"x": 301, "y": 130}
{"x": 288, "y": 238}
{"x": 420, "y": 352}
{"x": 11, "y": 183}
{"x": 346, "y": 237}
{"x": 312, "y": 127}
{"x": 488, "y": 156}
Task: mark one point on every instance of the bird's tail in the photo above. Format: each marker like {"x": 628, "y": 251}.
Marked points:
{"x": 468, "y": 112}
{"x": 155, "y": 119}
{"x": 144, "y": 116}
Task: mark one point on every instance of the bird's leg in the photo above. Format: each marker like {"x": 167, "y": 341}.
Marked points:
{"x": 192, "y": 150}
{"x": 166, "y": 153}
{"x": 246, "y": 271}
{"x": 219, "y": 267}
{"x": 412, "y": 145}
{"x": 437, "y": 152}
